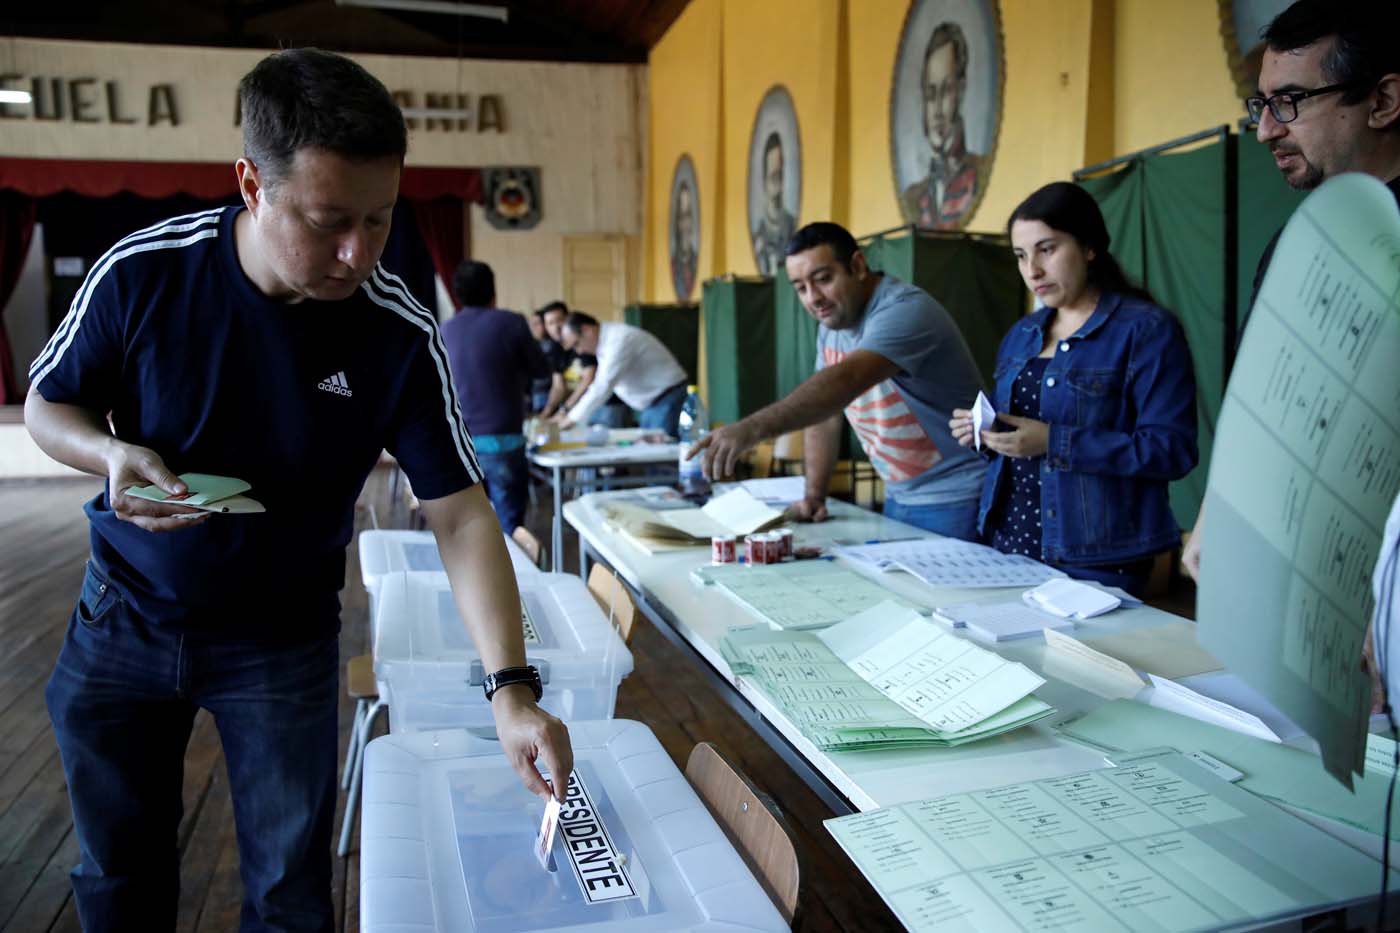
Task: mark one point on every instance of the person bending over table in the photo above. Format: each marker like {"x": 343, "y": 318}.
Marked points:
{"x": 1098, "y": 399}
{"x": 632, "y": 363}
{"x": 267, "y": 342}
{"x": 892, "y": 358}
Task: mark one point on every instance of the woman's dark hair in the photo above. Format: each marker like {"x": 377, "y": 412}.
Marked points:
{"x": 1068, "y": 208}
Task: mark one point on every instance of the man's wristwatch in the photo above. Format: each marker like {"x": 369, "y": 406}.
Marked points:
{"x": 506, "y": 676}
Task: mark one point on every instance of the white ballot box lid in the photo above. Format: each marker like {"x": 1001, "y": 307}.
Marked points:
{"x": 448, "y": 832}
{"x": 383, "y": 552}
{"x": 432, "y": 671}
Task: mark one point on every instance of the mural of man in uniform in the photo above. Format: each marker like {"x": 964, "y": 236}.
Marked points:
{"x": 942, "y": 198}
{"x": 683, "y": 241}
{"x": 776, "y": 226}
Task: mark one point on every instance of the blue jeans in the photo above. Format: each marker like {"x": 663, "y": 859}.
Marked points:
{"x": 123, "y": 697}
{"x": 664, "y": 411}
{"x": 951, "y": 519}
{"x": 507, "y": 484}
{"x": 609, "y": 415}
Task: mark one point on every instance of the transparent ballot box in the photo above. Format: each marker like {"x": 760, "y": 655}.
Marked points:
{"x": 448, "y": 833}
{"x": 383, "y": 552}
{"x": 433, "y": 674}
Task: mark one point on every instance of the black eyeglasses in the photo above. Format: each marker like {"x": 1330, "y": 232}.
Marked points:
{"x": 1284, "y": 105}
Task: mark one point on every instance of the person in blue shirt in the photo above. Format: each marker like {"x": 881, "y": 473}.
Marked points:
{"x": 1097, "y": 398}
{"x": 494, "y": 359}
{"x": 265, "y": 342}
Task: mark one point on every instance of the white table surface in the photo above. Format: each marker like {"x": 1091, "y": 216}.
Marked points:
{"x": 871, "y": 779}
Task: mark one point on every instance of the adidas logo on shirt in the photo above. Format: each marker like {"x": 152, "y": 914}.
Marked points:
{"x": 336, "y": 384}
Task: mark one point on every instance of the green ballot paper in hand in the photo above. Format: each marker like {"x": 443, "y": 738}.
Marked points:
{"x": 206, "y": 492}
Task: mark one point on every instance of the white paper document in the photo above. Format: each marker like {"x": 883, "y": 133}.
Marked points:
{"x": 1071, "y": 599}
{"x": 1306, "y": 465}
{"x": 1157, "y": 843}
{"x": 983, "y": 417}
{"x": 1070, "y": 660}
{"x": 951, "y": 562}
{"x": 1173, "y": 696}
{"x": 1000, "y": 621}
{"x": 942, "y": 679}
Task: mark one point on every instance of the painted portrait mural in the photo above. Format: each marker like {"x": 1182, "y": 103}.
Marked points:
{"x": 775, "y": 179}
{"x": 945, "y": 109}
{"x": 1241, "y": 21}
{"x": 684, "y": 228}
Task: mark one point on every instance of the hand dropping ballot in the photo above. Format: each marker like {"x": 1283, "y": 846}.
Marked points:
{"x": 983, "y": 417}
{"x": 544, "y": 841}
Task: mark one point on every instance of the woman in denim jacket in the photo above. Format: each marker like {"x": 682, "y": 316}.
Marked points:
{"x": 1096, "y": 405}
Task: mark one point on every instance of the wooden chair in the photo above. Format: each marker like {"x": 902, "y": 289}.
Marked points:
{"x": 613, "y": 598}
{"x": 532, "y": 546}
{"x": 752, "y": 821}
{"x": 360, "y": 684}
{"x": 787, "y": 452}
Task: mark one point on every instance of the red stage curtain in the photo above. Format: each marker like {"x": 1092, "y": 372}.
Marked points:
{"x": 209, "y": 180}
{"x": 442, "y": 224}
{"x": 16, "y": 228}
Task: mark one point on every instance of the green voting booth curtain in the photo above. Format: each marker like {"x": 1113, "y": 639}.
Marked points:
{"x": 739, "y": 345}
{"x": 676, "y": 326}
{"x": 1166, "y": 217}
{"x": 1265, "y": 204}
{"x": 1167, "y": 214}
{"x": 974, "y": 277}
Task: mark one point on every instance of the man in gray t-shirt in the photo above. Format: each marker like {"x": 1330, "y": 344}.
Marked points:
{"x": 890, "y": 356}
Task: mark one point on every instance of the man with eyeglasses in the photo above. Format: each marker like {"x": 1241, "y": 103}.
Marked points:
{"x": 1328, "y": 103}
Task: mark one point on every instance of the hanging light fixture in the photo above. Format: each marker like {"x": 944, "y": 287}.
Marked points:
{"x": 446, "y": 7}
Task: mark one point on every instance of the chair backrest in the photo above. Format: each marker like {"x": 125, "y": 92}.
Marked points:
{"x": 613, "y": 597}
{"x": 752, "y": 822}
{"x": 788, "y": 446}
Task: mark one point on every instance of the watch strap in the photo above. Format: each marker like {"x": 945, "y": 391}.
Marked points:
{"x": 507, "y": 676}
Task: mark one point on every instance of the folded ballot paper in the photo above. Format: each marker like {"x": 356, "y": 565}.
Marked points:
{"x": 886, "y": 678}
{"x": 207, "y": 493}
{"x": 736, "y": 512}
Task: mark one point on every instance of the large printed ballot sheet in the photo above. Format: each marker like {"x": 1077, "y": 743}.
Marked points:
{"x": 1155, "y": 844}
{"x": 1306, "y": 464}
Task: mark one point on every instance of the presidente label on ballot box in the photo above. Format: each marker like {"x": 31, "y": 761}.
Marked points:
{"x": 596, "y": 861}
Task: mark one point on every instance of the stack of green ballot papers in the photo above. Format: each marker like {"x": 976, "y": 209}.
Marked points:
{"x": 206, "y": 493}
{"x": 888, "y": 677}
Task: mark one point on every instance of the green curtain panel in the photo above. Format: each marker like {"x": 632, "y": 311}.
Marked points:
{"x": 1167, "y": 216}
{"x": 794, "y": 337}
{"x": 1265, "y": 204}
{"x": 974, "y": 277}
{"x": 739, "y": 345}
{"x": 676, "y": 326}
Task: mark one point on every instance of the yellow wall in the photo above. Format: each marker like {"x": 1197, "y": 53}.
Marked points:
{"x": 686, "y": 117}
{"x": 1085, "y": 80}
{"x": 1171, "y": 77}
{"x": 803, "y": 62}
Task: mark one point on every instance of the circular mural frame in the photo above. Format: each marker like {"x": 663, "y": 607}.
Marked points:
{"x": 685, "y": 257}
{"x": 958, "y": 180}
{"x": 1246, "y": 17}
{"x": 773, "y": 215}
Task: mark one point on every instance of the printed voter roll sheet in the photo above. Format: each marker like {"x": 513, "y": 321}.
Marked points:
{"x": 1305, "y": 466}
{"x": 1157, "y": 843}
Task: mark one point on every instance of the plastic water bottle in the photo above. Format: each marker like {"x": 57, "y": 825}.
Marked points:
{"x": 694, "y": 423}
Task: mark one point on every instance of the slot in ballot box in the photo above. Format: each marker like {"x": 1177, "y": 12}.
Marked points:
{"x": 433, "y": 673}
{"x": 448, "y": 832}
{"x": 383, "y": 552}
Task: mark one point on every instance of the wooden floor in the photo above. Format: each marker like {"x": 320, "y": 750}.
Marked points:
{"x": 43, "y": 545}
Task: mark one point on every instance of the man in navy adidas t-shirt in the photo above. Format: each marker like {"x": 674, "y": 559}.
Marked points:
{"x": 262, "y": 342}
